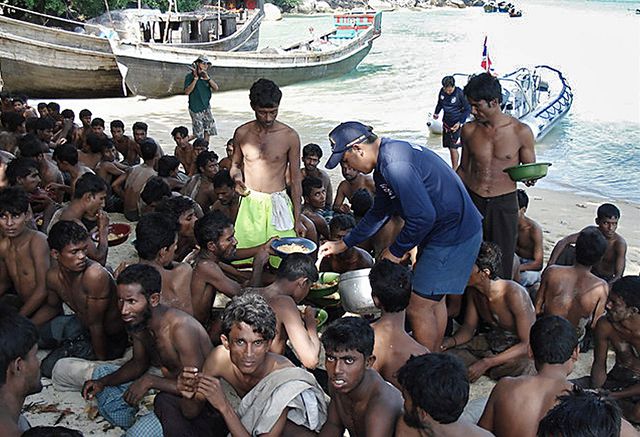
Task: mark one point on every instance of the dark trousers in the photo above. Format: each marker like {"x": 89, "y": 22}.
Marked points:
{"x": 500, "y": 225}
{"x": 208, "y": 424}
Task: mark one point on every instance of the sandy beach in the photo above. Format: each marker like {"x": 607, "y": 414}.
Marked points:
{"x": 558, "y": 212}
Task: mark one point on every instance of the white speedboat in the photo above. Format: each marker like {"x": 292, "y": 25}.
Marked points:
{"x": 539, "y": 97}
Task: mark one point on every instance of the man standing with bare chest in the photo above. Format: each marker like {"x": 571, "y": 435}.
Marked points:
{"x": 492, "y": 142}
{"x": 265, "y": 149}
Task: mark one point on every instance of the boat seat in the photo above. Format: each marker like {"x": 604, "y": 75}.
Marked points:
{"x": 543, "y": 86}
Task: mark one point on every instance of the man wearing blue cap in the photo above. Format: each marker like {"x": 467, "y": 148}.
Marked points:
{"x": 440, "y": 218}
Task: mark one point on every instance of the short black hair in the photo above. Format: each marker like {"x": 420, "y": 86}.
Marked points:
{"x": 155, "y": 190}
{"x": 311, "y": 149}
{"x": 204, "y": 158}
{"x": 12, "y": 120}
{"x": 361, "y": 202}
{"x": 66, "y": 232}
{"x": 167, "y": 164}
{"x": 30, "y": 146}
{"x": 14, "y": 200}
{"x": 485, "y": 87}
{"x": 148, "y": 277}
{"x": 45, "y": 123}
{"x": 51, "y": 431}
{"x": 628, "y": 288}
{"x": 85, "y": 113}
{"x": 175, "y": 206}
{"x": 20, "y": 168}
{"x": 116, "y": 123}
{"x": 200, "y": 142}
{"x": 89, "y": 183}
{"x": 590, "y": 246}
{"x": 607, "y": 210}
{"x": 148, "y": 149}
{"x": 523, "y": 199}
{"x": 154, "y": 232}
{"x": 296, "y": 266}
{"x": 436, "y": 383}
{"x": 223, "y": 179}
{"x": 18, "y": 335}
{"x": 182, "y": 130}
{"x": 140, "y": 125}
{"x": 341, "y": 222}
{"x": 264, "y": 93}
{"x": 53, "y": 106}
{"x": 553, "y": 340}
{"x": 349, "y": 333}
{"x": 448, "y": 81}
{"x": 97, "y": 122}
{"x": 66, "y": 153}
{"x": 391, "y": 285}
{"x": 68, "y": 114}
{"x": 582, "y": 414}
{"x": 210, "y": 226}
{"x": 490, "y": 258}
{"x": 309, "y": 183}
{"x": 252, "y": 309}
{"x": 97, "y": 143}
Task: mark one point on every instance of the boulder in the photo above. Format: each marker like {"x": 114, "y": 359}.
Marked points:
{"x": 306, "y": 7}
{"x": 272, "y": 12}
{"x": 322, "y": 6}
{"x": 457, "y": 4}
{"x": 381, "y": 5}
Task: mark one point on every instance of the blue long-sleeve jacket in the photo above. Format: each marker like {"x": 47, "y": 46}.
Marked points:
{"x": 417, "y": 184}
{"x": 456, "y": 107}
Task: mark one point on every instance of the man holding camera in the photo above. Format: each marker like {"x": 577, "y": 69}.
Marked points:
{"x": 198, "y": 86}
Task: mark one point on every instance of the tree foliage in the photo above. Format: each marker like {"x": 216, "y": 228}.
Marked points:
{"x": 85, "y": 9}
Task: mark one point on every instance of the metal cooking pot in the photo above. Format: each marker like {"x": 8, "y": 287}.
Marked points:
{"x": 355, "y": 292}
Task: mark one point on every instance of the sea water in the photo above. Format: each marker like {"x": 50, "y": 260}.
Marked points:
{"x": 595, "y": 149}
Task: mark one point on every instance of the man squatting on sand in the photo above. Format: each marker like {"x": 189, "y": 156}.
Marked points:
{"x": 254, "y": 367}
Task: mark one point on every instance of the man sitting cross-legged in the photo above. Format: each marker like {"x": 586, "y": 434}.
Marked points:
{"x": 278, "y": 399}
{"x": 361, "y": 401}
{"x": 573, "y": 292}
{"x": 506, "y": 307}
{"x": 435, "y": 389}
{"x": 162, "y": 336}
{"x": 516, "y": 405}
{"x": 294, "y": 277}
{"x": 89, "y": 290}
{"x": 391, "y": 291}
{"x": 354, "y": 258}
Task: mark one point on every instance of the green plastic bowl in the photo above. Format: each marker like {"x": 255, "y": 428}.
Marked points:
{"x": 327, "y": 284}
{"x": 321, "y": 317}
{"x": 528, "y": 172}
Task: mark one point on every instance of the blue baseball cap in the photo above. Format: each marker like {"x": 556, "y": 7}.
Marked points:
{"x": 343, "y": 137}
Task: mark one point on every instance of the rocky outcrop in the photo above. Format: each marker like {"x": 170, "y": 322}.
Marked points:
{"x": 272, "y": 12}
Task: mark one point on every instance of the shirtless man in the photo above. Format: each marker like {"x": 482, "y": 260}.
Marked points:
{"x": 140, "y": 130}
{"x": 108, "y": 168}
{"x": 134, "y": 180}
{"x": 391, "y": 291}
{"x": 49, "y": 173}
{"x": 529, "y": 246}
{"x": 243, "y": 361}
{"x": 264, "y": 149}
{"x": 126, "y": 146}
{"x": 574, "y": 292}
{"x": 612, "y": 264}
{"x": 25, "y": 257}
{"x": 620, "y": 330}
{"x": 87, "y": 209}
{"x": 353, "y": 181}
{"x": 23, "y": 173}
{"x": 162, "y": 336}
{"x": 354, "y": 258}
{"x": 66, "y": 157}
{"x": 215, "y": 235}
{"x": 435, "y": 389}
{"x": 184, "y": 150}
{"x": 95, "y": 149}
{"x": 516, "y": 405}
{"x": 311, "y": 155}
{"x": 182, "y": 210}
{"x": 361, "y": 401}
{"x": 168, "y": 167}
{"x": 225, "y": 163}
{"x": 20, "y": 370}
{"x": 156, "y": 244}
{"x": 314, "y": 195}
{"x": 228, "y": 198}
{"x": 87, "y": 288}
{"x": 492, "y": 142}
{"x": 506, "y": 307}
{"x": 294, "y": 277}
{"x": 200, "y": 186}
{"x": 44, "y": 132}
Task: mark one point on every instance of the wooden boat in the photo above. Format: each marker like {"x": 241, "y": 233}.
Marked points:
{"x": 48, "y": 62}
{"x": 159, "y": 71}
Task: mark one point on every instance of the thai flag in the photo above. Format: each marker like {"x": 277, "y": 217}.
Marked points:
{"x": 486, "y": 60}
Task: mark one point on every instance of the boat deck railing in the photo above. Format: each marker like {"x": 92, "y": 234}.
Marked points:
{"x": 561, "y": 103}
